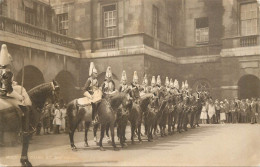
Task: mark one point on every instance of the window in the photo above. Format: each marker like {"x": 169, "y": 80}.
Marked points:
{"x": 202, "y": 30}
{"x": 3, "y": 7}
{"x": 63, "y": 23}
{"x": 155, "y": 21}
{"x": 30, "y": 16}
{"x": 110, "y": 21}
{"x": 248, "y": 19}
{"x": 169, "y": 31}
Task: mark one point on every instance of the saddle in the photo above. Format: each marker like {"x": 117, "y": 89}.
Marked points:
{"x": 85, "y": 101}
{"x": 9, "y": 103}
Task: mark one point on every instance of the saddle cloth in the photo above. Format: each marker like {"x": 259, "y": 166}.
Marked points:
{"x": 87, "y": 100}
{"x": 7, "y": 103}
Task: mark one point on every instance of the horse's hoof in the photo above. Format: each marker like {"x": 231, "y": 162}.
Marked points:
{"x": 102, "y": 149}
{"x": 86, "y": 145}
{"x": 125, "y": 145}
{"x": 132, "y": 142}
{"x": 25, "y": 162}
{"x": 149, "y": 140}
{"x": 140, "y": 142}
{"x": 74, "y": 148}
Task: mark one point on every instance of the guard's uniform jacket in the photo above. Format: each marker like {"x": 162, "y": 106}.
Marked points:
{"x": 90, "y": 85}
{"x": 123, "y": 87}
{"x": 108, "y": 87}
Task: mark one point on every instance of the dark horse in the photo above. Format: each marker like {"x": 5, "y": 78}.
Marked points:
{"x": 11, "y": 121}
{"x": 106, "y": 110}
{"x": 134, "y": 116}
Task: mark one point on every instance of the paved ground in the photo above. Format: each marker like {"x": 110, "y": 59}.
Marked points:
{"x": 218, "y": 145}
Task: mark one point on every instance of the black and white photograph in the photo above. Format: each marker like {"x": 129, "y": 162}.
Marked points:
{"x": 129, "y": 83}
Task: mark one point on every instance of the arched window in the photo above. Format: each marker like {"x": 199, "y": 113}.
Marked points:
{"x": 202, "y": 85}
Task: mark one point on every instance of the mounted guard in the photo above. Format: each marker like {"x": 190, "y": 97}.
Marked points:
{"x": 108, "y": 87}
{"x": 123, "y": 86}
{"x": 135, "y": 81}
{"x": 11, "y": 93}
{"x": 145, "y": 87}
{"x": 91, "y": 90}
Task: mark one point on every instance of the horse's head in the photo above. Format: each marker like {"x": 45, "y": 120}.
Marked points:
{"x": 55, "y": 92}
{"x": 134, "y": 93}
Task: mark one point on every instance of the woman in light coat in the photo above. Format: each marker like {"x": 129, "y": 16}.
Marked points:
{"x": 204, "y": 114}
{"x": 57, "y": 119}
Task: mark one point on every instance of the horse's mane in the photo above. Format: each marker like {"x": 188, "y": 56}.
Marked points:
{"x": 40, "y": 93}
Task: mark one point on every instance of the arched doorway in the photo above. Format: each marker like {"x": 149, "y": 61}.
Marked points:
{"x": 32, "y": 77}
{"x": 101, "y": 78}
{"x": 248, "y": 87}
{"x": 67, "y": 85}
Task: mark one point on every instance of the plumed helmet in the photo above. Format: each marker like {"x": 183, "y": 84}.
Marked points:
{"x": 171, "y": 83}
{"x": 135, "y": 77}
{"x": 182, "y": 85}
{"x": 92, "y": 69}
{"x": 108, "y": 72}
{"x": 159, "y": 82}
{"x": 176, "y": 84}
{"x": 186, "y": 86}
{"x": 167, "y": 82}
{"x": 153, "y": 80}
{"x": 123, "y": 78}
{"x": 5, "y": 57}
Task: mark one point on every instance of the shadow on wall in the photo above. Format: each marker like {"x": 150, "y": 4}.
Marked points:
{"x": 67, "y": 85}
{"x": 32, "y": 77}
{"x": 249, "y": 86}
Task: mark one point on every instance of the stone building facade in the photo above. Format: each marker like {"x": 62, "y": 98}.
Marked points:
{"x": 212, "y": 44}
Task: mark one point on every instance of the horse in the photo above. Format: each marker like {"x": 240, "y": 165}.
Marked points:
{"x": 106, "y": 110}
{"x": 160, "y": 106}
{"x": 10, "y": 121}
{"x": 134, "y": 116}
{"x": 178, "y": 113}
{"x": 165, "y": 115}
{"x": 149, "y": 115}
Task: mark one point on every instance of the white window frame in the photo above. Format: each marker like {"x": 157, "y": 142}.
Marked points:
{"x": 248, "y": 18}
{"x": 63, "y": 23}
{"x": 201, "y": 34}
{"x": 110, "y": 20}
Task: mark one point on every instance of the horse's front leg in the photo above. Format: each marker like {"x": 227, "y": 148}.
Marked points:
{"x": 132, "y": 131}
{"x": 112, "y": 130}
{"x": 71, "y": 135}
{"x": 103, "y": 128}
{"x": 87, "y": 124}
{"x": 24, "y": 157}
{"x": 139, "y": 131}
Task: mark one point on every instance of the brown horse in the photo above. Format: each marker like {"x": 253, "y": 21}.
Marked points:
{"x": 11, "y": 121}
{"x": 134, "y": 116}
{"x": 106, "y": 109}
